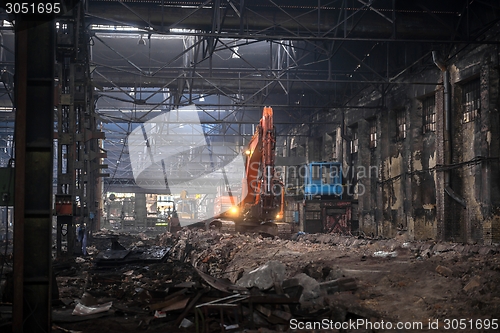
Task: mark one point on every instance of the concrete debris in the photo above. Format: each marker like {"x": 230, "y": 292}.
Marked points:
{"x": 474, "y": 283}
{"x": 88, "y": 300}
{"x": 444, "y": 271}
{"x": 128, "y": 273}
{"x": 311, "y": 287}
{"x": 264, "y": 276}
{"x": 186, "y": 323}
{"x": 385, "y": 254}
{"x": 426, "y": 253}
{"x": 138, "y": 244}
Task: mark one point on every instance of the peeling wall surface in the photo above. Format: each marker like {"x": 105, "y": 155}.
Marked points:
{"x": 432, "y": 181}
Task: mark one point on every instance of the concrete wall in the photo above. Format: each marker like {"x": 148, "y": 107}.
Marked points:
{"x": 400, "y": 184}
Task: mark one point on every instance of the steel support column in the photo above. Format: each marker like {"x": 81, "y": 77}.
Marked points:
{"x": 34, "y": 86}
{"x": 79, "y": 152}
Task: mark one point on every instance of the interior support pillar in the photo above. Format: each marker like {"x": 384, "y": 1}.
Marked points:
{"x": 34, "y": 99}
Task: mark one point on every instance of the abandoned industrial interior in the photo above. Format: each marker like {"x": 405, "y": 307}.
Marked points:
{"x": 250, "y": 166}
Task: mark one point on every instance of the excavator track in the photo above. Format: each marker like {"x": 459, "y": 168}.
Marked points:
{"x": 285, "y": 230}
{"x": 281, "y": 229}
{"x": 223, "y": 226}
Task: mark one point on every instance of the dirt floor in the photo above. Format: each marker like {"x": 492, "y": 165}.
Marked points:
{"x": 310, "y": 283}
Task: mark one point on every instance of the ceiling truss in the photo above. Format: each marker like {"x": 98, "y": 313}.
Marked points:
{"x": 232, "y": 57}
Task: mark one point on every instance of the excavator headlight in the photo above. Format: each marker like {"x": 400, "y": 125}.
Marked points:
{"x": 278, "y": 216}
{"x": 233, "y": 210}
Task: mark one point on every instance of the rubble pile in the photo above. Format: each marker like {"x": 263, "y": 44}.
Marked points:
{"x": 210, "y": 251}
{"x": 204, "y": 281}
{"x": 186, "y": 288}
{"x": 366, "y": 276}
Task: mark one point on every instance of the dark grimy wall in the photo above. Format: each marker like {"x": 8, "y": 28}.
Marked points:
{"x": 402, "y": 184}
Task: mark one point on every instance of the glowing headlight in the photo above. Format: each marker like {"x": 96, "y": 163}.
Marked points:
{"x": 234, "y": 210}
{"x": 278, "y": 216}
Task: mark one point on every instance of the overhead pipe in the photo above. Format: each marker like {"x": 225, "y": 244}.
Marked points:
{"x": 447, "y": 132}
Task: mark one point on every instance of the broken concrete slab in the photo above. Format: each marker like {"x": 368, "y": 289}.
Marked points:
{"x": 426, "y": 253}
{"x": 442, "y": 247}
{"x": 88, "y": 300}
{"x": 486, "y": 250}
{"x": 264, "y": 276}
{"x": 444, "y": 271}
{"x": 311, "y": 287}
{"x": 474, "y": 283}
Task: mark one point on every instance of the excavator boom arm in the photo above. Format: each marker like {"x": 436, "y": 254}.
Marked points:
{"x": 259, "y": 169}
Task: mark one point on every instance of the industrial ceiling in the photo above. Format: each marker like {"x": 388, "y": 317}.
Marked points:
{"x": 230, "y": 58}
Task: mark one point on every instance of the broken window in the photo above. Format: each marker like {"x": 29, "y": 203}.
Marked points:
{"x": 301, "y": 150}
{"x": 354, "y": 141}
{"x": 331, "y": 146}
{"x": 315, "y": 154}
{"x": 401, "y": 122}
{"x": 334, "y": 149}
{"x": 471, "y": 100}
{"x": 429, "y": 114}
{"x": 373, "y": 133}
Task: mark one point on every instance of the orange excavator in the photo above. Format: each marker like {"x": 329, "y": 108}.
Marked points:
{"x": 262, "y": 200}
